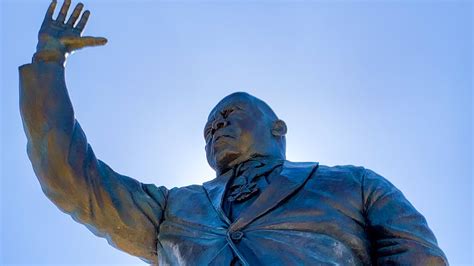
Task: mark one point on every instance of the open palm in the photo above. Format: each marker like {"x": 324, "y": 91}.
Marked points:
{"x": 65, "y": 37}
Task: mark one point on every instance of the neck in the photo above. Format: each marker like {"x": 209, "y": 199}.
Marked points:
{"x": 259, "y": 158}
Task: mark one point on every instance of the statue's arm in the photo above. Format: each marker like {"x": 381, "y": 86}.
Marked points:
{"x": 124, "y": 211}
{"x": 399, "y": 234}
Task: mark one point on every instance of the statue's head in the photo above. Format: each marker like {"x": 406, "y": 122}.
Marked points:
{"x": 240, "y": 127}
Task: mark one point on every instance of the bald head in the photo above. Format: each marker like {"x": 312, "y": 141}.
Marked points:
{"x": 247, "y": 98}
{"x": 240, "y": 127}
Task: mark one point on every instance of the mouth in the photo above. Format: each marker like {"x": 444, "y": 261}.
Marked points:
{"x": 216, "y": 138}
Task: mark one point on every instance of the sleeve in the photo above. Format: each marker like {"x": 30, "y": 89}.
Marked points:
{"x": 124, "y": 211}
{"x": 399, "y": 234}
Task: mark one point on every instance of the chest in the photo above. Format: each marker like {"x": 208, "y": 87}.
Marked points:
{"x": 323, "y": 217}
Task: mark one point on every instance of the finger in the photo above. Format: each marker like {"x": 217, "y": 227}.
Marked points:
{"x": 82, "y": 23}
{"x": 93, "y": 41}
{"x": 49, "y": 13}
{"x": 80, "y": 42}
{"x": 63, "y": 12}
{"x": 75, "y": 14}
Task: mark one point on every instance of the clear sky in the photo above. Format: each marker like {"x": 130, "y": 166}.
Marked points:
{"x": 382, "y": 84}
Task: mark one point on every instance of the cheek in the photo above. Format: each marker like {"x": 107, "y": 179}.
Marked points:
{"x": 246, "y": 139}
{"x": 252, "y": 139}
{"x": 207, "y": 148}
{"x": 246, "y": 127}
{"x": 243, "y": 133}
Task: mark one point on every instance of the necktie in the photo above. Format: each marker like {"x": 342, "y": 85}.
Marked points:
{"x": 244, "y": 183}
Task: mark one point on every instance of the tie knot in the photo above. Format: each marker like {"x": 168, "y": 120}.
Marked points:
{"x": 244, "y": 182}
{"x": 245, "y": 168}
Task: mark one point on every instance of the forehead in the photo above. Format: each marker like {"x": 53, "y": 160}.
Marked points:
{"x": 241, "y": 101}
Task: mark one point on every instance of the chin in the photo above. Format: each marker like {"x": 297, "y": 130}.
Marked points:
{"x": 227, "y": 159}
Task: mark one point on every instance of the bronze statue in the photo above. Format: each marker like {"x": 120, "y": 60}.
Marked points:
{"x": 260, "y": 208}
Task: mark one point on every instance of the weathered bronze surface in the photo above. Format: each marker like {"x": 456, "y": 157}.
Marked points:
{"x": 260, "y": 208}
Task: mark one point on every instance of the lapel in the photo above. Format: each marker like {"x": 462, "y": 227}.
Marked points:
{"x": 292, "y": 177}
{"x": 215, "y": 191}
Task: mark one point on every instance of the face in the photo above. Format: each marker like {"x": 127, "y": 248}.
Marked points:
{"x": 237, "y": 129}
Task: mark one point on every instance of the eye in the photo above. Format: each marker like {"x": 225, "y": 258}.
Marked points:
{"x": 226, "y": 112}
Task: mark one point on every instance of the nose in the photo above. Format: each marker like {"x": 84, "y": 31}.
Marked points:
{"x": 219, "y": 123}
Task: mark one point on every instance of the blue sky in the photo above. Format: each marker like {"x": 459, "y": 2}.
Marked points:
{"x": 382, "y": 84}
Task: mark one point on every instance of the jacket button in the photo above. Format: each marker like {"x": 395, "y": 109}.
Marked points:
{"x": 237, "y": 235}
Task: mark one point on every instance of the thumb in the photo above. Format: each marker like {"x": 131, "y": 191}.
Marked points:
{"x": 75, "y": 43}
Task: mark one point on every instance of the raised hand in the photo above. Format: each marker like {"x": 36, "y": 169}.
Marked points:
{"x": 58, "y": 38}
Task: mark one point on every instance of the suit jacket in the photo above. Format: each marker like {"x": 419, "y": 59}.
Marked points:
{"x": 310, "y": 214}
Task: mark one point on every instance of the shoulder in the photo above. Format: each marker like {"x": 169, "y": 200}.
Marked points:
{"x": 344, "y": 177}
{"x": 359, "y": 174}
{"x": 376, "y": 187}
{"x": 186, "y": 191}
{"x": 370, "y": 184}
{"x": 341, "y": 173}
{"x": 338, "y": 172}
{"x": 341, "y": 170}
{"x": 348, "y": 173}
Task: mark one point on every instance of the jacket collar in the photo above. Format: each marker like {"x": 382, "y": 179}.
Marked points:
{"x": 292, "y": 176}
{"x": 215, "y": 191}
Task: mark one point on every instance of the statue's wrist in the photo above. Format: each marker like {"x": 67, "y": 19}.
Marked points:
{"x": 49, "y": 56}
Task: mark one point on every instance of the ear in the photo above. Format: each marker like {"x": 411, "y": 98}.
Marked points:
{"x": 279, "y": 128}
